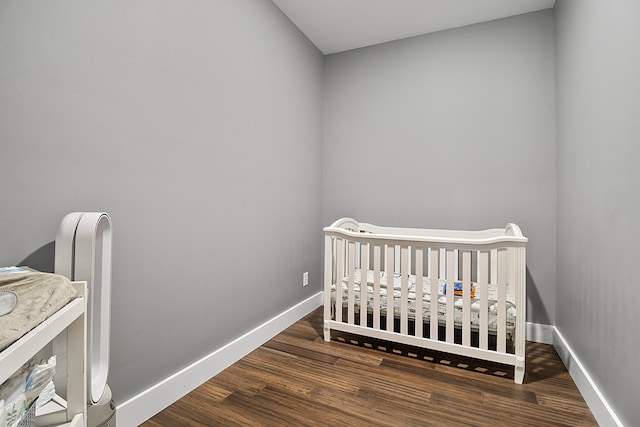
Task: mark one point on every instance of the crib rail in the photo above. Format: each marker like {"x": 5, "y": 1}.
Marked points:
{"x": 388, "y": 271}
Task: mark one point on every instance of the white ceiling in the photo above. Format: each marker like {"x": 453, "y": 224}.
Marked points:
{"x": 339, "y": 25}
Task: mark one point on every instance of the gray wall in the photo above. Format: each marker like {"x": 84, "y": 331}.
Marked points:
{"x": 598, "y": 104}
{"x": 196, "y": 125}
{"x": 454, "y": 129}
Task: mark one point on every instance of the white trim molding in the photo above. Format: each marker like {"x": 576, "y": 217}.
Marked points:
{"x": 539, "y": 332}
{"x": 153, "y": 400}
{"x": 602, "y": 411}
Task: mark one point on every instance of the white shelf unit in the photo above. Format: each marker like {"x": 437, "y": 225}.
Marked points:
{"x": 71, "y": 318}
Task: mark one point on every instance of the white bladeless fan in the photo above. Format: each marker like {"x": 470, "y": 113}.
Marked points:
{"x": 83, "y": 252}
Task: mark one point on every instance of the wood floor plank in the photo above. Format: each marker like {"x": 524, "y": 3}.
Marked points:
{"x": 213, "y": 391}
{"x": 301, "y": 351}
{"x": 299, "y": 379}
{"x": 309, "y": 372}
{"x": 274, "y": 379}
{"x": 332, "y": 349}
{"x": 363, "y": 407}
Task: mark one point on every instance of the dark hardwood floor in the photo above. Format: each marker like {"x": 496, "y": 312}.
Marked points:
{"x": 297, "y": 379}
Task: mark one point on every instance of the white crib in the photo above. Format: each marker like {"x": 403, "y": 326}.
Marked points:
{"x": 393, "y": 281}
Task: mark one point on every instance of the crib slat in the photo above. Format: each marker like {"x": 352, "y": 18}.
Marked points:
{"x": 493, "y": 271}
{"x": 404, "y": 290}
{"x": 493, "y": 278}
{"x": 419, "y": 291}
{"x": 389, "y": 277}
{"x": 351, "y": 283}
{"x": 340, "y": 258}
{"x": 376, "y": 286}
{"x": 434, "y": 262}
{"x": 449, "y": 279}
{"x": 466, "y": 298}
{"x": 364, "y": 282}
{"x": 481, "y": 293}
{"x": 501, "y": 346}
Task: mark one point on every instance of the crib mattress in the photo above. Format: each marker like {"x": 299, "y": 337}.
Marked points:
{"x": 39, "y": 295}
{"x": 441, "y": 299}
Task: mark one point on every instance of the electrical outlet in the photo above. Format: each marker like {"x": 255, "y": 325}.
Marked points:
{"x": 305, "y": 278}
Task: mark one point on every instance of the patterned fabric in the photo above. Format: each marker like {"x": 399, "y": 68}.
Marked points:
{"x": 385, "y": 291}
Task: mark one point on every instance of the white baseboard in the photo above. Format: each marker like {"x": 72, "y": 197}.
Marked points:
{"x": 151, "y": 401}
{"x": 538, "y": 332}
{"x": 602, "y": 411}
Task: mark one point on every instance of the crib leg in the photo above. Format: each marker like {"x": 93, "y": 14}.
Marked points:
{"x": 518, "y": 374}
{"x": 327, "y": 331}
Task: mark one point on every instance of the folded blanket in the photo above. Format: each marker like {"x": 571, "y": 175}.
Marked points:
{"x": 38, "y": 296}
